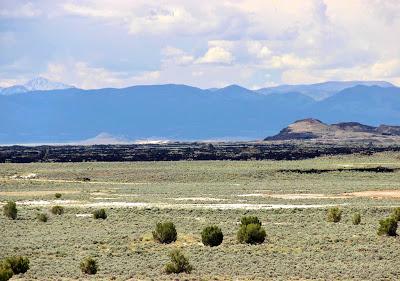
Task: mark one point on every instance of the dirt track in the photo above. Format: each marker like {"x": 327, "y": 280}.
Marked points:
{"x": 377, "y": 194}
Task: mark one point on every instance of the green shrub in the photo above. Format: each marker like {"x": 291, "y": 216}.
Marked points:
{"x": 356, "y": 219}
{"x": 100, "y": 214}
{"x": 179, "y": 263}
{"x": 58, "y": 195}
{"x": 89, "y": 265}
{"x": 18, "y": 264}
{"x": 42, "y": 217}
{"x": 250, "y": 230}
{"x": 388, "y": 227}
{"x": 251, "y": 234}
{"x": 396, "y": 214}
{"x": 10, "y": 210}
{"x": 249, "y": 220}
{"x": 165, "y": 232}
{"x": 5, "y": 271}
{"x": 334, "y": 214}
{"x": 212, "y": 236}
{"x": 57, "y": 210}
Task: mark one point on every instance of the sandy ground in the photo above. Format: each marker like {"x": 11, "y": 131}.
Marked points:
{"x": 198, "y": 199}
{"x": 37, "y": 192}
{"x": 294, "y": 196}
{"x": 376, "y": 194}
{"x": 24, "y": 176}
{"x": 84, "y": 215}
{"x": 369, "y": 164}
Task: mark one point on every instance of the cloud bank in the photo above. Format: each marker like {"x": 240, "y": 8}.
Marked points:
{"x": 99, "y": 43}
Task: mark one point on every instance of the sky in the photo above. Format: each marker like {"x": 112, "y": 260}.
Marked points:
{"x": 252, "y": 43}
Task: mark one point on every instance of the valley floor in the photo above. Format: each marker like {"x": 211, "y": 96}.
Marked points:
{"x": 290, "y": 197}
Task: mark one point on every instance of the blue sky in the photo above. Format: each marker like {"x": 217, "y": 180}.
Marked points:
{"x": 98, "y": 43}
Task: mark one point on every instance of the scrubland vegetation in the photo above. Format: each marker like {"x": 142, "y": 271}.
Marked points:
{"x": 165, "y": 232}
{"x": 388, "y": 227}
{"x": 42, "y": 217}
{"x": 252, "y": 220}
{"x": 334, "y": 214}
{"x": 57, "y": 210}
{"x": 212, "y": 236}
{"x": 356, "y": 218}
{"x": 100, "y": 214}
{"x": 13, "y": 265}
{"x": 178, "y": 264}
{"x": 250, "y": 231}
{"x": 89, "y": 266}
{"x": 10, "y": 210}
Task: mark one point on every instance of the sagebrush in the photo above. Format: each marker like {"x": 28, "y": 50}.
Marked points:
{"x": 212, "y": 236}
{"x": 5, "y": 271}
{"x": 10, "y": 210}
{"x": 100, "y": 214}
{"x": 178, "y": 264}
{"x": 334, "y": 214}
{"x": 42, "y": 217}
{"x": 356, "y": 219}
{"x": 250, "y": 231}
{"x": 57, "y": 210}
{"x": 89, "y": 266}
{"x": 18, "y": 264}
{"x": 165, "y": 233}
{"x": 388, "y": 227}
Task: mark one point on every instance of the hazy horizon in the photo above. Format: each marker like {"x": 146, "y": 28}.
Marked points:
{"x": 234, "y": 84}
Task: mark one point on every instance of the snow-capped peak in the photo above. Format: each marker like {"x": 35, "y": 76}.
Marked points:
{"x": 43, "y": 84}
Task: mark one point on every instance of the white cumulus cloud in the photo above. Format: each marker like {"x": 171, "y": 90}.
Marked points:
{"x": 216, "y": 55}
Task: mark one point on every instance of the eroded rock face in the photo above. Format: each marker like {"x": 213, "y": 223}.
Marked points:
{"x": 354, "y": 127}
{"x": 389, "y": 130}
{"x": 316, "y": 129}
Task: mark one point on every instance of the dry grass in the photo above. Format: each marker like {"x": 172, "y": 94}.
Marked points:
{"x": 300, "y": 244}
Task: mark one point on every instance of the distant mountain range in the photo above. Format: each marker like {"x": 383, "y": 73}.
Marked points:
{"x": 321, "y": 91}
{"x": 346, "y": 131}
{"x": 180, "y": 112}
{"x": 37, "y": 84}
